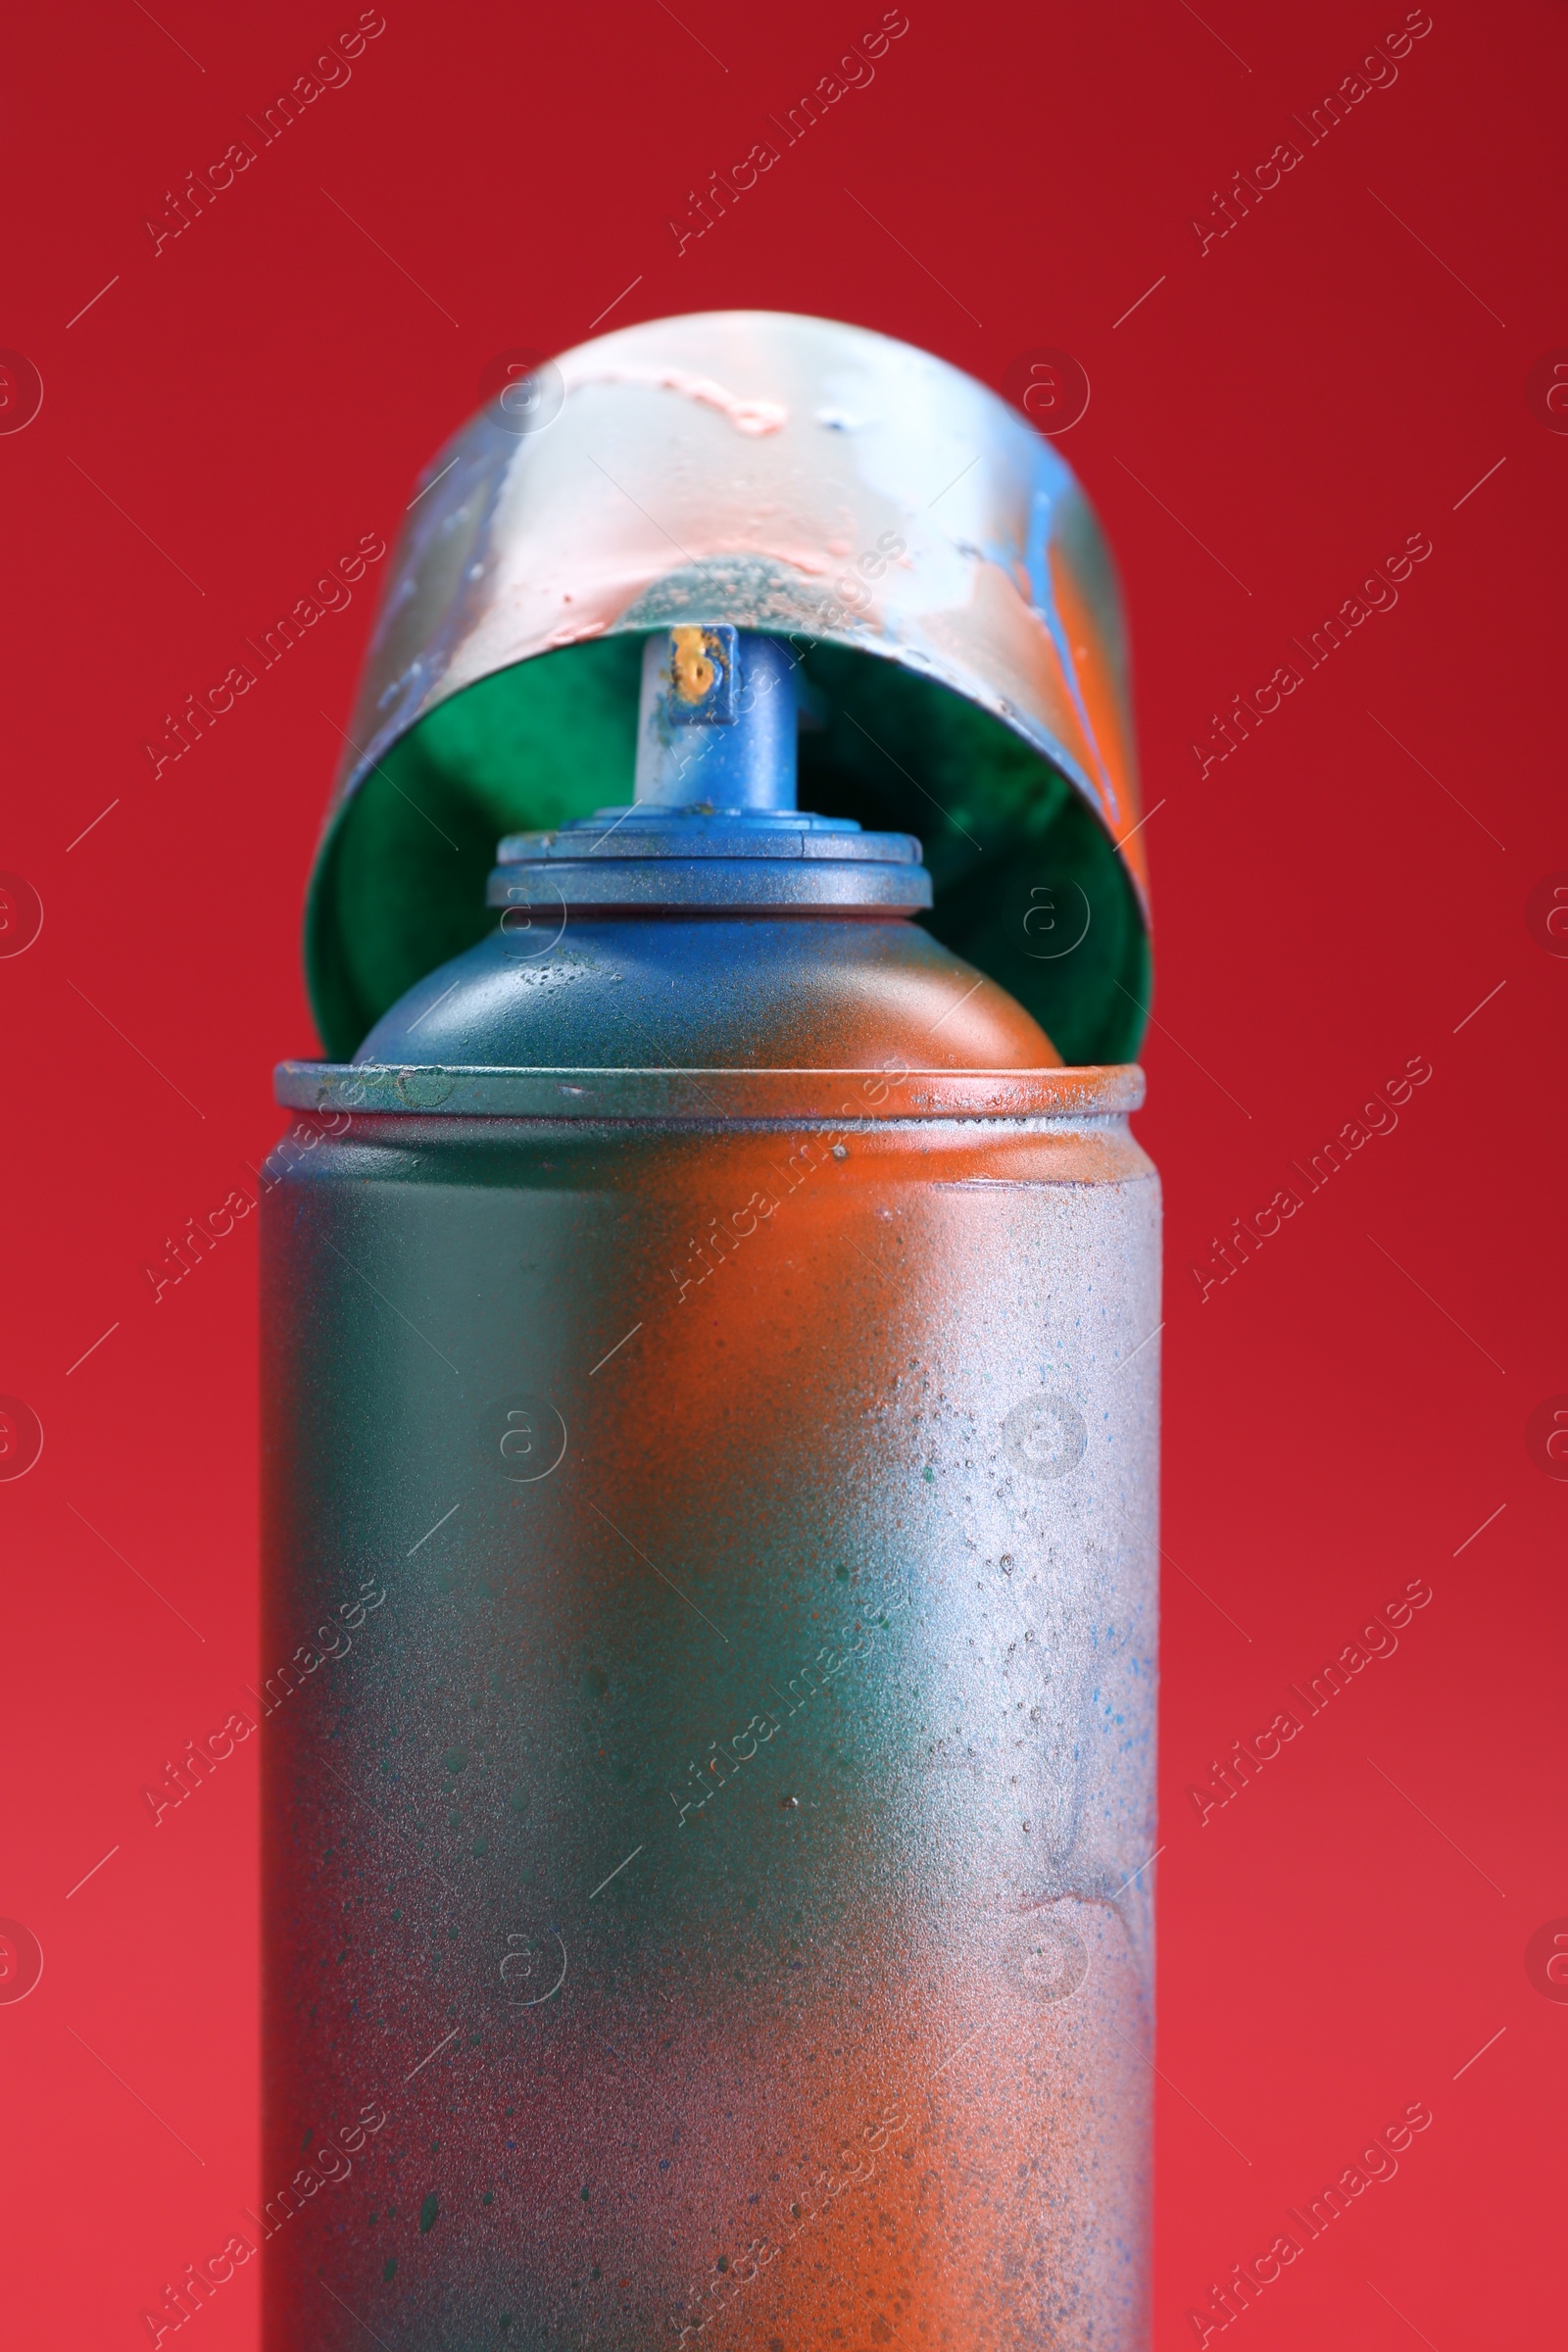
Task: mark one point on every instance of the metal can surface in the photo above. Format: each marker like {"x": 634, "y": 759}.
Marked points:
{"x": 704, "y": 1863}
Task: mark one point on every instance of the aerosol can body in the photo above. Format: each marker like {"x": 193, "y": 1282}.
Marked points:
{"x": 710, "y": 1610}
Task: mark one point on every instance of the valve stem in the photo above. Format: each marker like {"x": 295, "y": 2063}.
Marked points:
{"x": 717, "y": 719}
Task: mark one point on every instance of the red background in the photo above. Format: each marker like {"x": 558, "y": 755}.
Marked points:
{"x": 1276, "y": 418}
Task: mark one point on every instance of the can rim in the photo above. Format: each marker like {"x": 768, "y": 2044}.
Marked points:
{"x": 1092, "y": 1090}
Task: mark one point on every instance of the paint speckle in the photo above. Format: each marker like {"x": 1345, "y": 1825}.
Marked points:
{"x": 753, "y": 418}
{"x": 428, "y": 2214}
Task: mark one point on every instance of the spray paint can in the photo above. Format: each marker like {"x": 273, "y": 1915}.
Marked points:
{"x": 711, "y": 1430}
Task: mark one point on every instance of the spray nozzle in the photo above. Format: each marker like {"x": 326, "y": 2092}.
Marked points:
{"x": 717, "y": 719}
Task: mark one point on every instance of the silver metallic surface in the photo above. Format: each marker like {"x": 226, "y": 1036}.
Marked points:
{"x": 1085, "y": 1097}
{"x": 721, "y": 1871}
{"x": 780, "y": 473}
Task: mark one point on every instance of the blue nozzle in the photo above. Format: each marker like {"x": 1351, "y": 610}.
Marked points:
{"x": 715, "y": 724}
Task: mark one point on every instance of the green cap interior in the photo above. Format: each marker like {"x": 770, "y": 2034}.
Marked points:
{"x": 1028, "y": 886}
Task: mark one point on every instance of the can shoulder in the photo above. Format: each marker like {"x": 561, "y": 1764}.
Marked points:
{"x": 711, "y": 993}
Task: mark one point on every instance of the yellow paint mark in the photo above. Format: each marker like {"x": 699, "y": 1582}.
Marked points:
{"x": 694, "y": 671}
